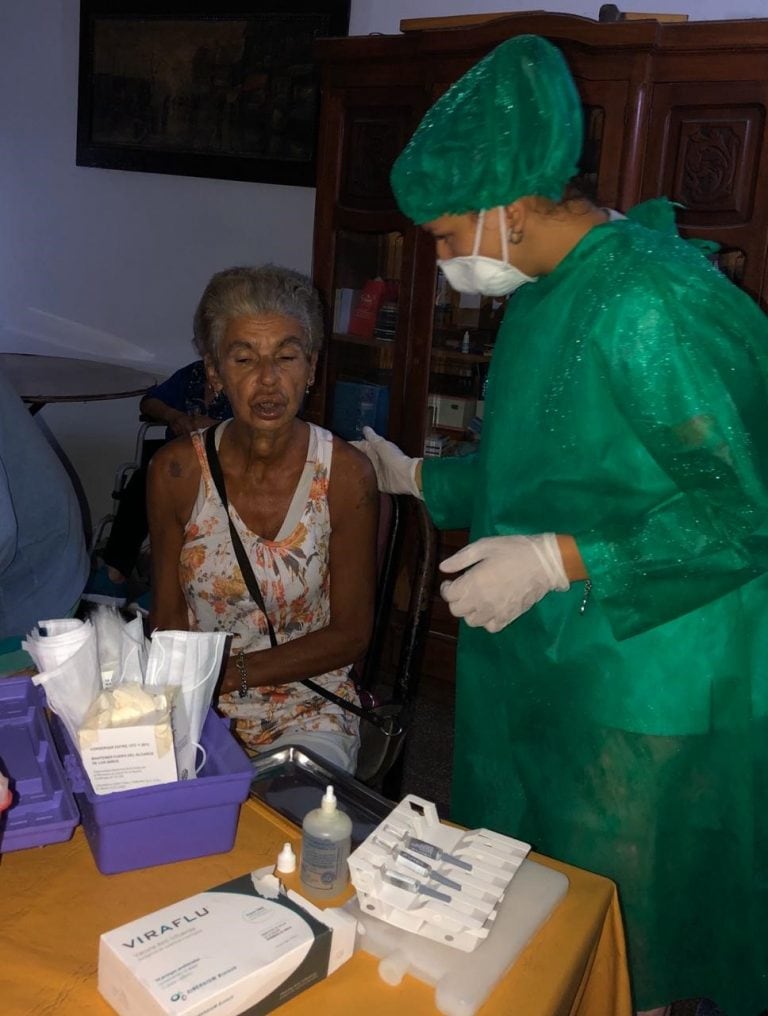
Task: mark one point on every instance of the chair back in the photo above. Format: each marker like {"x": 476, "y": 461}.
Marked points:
{"x": 145, "y": 448}
{"x": 389, "y": 682}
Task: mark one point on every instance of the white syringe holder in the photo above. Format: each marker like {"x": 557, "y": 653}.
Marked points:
{"x": 481, "y": 862}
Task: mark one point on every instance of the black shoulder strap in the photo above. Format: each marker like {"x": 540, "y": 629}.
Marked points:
{"x": 252, "y": 585}
{"x": 246, "y": 569}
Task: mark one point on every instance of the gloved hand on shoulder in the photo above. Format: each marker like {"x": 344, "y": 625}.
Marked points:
{"x": 505, "y": 577}
{"x": 395, "y": 471}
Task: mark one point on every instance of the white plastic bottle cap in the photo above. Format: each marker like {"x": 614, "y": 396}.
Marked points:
{"x": 286, "y": 860}
{"x": 328, "y": 802}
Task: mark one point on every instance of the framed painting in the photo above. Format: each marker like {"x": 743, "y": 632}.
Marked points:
{"x": 222, "y": 89}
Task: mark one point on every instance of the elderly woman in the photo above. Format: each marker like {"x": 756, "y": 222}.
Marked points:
{"x": 302, "y": 505}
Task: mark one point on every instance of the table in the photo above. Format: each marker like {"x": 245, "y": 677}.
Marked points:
{"x": 41, "y": 379}
{"x": 54, "y": 904}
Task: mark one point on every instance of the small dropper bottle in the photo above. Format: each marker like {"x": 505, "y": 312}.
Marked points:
{"x": 326, "y": 836}
{"x": 286, "y": 860}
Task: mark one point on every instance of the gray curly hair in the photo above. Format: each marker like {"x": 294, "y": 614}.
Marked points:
{"x": 250, "y": 292}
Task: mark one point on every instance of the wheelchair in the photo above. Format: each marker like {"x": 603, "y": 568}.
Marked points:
{"x": 147, "y": 443}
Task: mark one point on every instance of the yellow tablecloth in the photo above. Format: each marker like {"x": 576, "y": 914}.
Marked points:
{"x": 54, "y": 904}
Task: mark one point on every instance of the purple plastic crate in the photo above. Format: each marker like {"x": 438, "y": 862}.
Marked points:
{"x": 140, "y": 828}
{"x": 43, "y": 809}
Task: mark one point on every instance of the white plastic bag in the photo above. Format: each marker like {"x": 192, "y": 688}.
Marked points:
{"x": 190, "y": 660}
{"x": 133, "y": 654}
{"x": 66, "y": 654}
{"x": 109, "y": 625}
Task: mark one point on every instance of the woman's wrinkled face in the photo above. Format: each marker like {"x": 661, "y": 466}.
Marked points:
{"x": 264, "y": 369}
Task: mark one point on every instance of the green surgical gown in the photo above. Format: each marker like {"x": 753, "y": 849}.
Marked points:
{"x": 627, "y": 405}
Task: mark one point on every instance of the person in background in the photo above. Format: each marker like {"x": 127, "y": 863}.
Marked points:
{"x": 43, "y": 557}
{"x": 185, "y": 402}
{"x": 612, "y": 683}
{"x": 303, "y": 507}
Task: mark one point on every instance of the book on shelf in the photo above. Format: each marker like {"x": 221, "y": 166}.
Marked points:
{"x": 386, "y": 319}
{"x": 366, "y": 308}
{"x": 392, "y": 259}
{"x": 358, "y": 404}
{"x": 342, "y": 309}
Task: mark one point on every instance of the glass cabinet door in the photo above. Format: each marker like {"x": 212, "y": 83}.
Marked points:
{"x": 464, "y": 332}
{"x": 364, "y": 325}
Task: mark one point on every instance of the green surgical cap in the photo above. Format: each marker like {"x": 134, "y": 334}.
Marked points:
{"x": 511, "y": 126}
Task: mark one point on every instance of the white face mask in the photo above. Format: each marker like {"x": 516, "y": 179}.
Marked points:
{"x": 475, "y": 273}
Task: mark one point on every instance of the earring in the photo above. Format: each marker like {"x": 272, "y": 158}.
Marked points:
{"x": 515, "y": 236}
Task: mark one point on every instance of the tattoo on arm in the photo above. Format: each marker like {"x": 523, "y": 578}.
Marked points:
{"x": 174, "y": 468}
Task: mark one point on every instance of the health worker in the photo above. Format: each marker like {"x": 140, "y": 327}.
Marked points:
{"x": 612, "y": 672}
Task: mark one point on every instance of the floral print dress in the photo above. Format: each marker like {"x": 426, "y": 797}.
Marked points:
{"x": 293, "y": 574}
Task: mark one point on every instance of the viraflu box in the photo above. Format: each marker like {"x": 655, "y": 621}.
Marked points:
{"x": 245, "y": 946}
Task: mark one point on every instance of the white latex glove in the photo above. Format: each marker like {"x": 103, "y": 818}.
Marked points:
{"x": 506, "y": 576}
{"x": 395, "y": 471}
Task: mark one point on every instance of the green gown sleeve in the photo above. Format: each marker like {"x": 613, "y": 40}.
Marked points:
{"x": 690, "y": 383}
{"x": 449, "y": 487}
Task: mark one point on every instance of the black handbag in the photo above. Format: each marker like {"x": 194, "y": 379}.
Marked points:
{"x": 252, "y": 585}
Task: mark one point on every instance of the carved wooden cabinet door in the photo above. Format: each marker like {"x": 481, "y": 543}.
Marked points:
{"x": 375, "y": 126}
{"x": 707, "y": 150}
{"x": 606, "y": 160}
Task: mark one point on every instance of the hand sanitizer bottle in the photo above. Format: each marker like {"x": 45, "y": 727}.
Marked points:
{"x": 326, "y": 835}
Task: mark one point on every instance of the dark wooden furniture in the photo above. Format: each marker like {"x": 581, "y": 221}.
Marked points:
{"x": 670, "y": 109}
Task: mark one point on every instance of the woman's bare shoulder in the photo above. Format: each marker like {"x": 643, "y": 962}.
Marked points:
{"x": 176, "y": 465}
{"x": 352, "y": 474}
{"x": 350, "y": 461}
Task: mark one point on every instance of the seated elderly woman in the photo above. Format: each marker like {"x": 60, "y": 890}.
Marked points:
{"x": 303, "y": 505}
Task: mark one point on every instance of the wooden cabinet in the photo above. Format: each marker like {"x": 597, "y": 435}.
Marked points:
{"x": 670, "y": 109}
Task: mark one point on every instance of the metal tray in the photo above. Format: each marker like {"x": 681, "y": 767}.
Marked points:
{"x": 292, "y": 781}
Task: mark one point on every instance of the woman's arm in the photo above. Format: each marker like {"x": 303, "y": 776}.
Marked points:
{"x": 166, "y": 403}
{"x": 179, "y": 422}
{"x": 573, "y": 563}
{"x": 354, "y": 504}
{"x": 685, "y": 361}
{"x": 172, "y": 483}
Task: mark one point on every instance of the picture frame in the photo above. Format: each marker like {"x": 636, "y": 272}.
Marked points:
{"x": 224, "y": 89}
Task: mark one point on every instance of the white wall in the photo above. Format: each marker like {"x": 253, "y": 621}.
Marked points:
{"x": 121, "y": 253}
{"x": 104, "y": 263}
